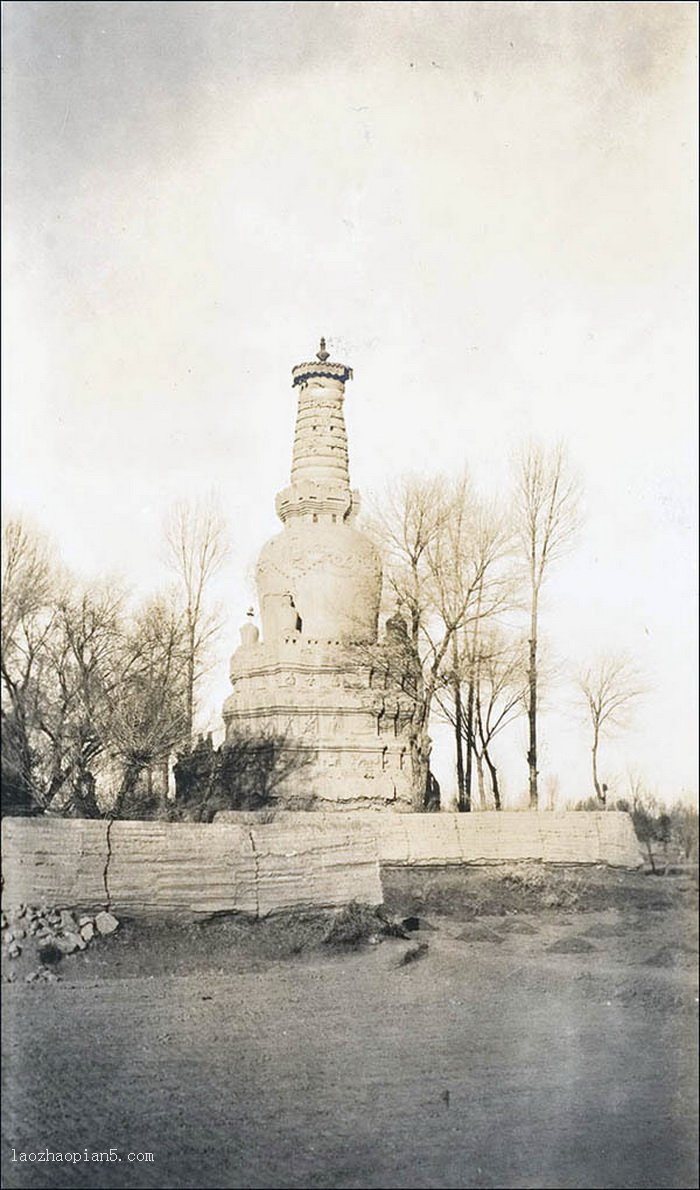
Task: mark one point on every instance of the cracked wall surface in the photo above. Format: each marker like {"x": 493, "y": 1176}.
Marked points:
{"x": 187, "y": 869}
{"x": 300, "y": 860}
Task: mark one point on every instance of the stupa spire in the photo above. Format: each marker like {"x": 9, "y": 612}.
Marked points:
{"x": 320, "y": 477}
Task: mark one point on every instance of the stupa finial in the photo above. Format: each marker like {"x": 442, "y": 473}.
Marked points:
{"x": 322, "y": 354}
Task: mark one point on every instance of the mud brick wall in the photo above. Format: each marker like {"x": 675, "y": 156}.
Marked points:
{"x": 188, "y": 869}
{"x": 550, "y": 837}
{"x": 300, "y": 860}
{"x": 556, "y": 837}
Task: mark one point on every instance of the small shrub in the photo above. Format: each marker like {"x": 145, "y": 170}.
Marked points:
{"x": 528, "y": 877}
{"x": 49, "y": 954}
{"x": 353, "y": 925}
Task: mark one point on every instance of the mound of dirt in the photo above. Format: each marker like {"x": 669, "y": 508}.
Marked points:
{"x": 515, "y": 925}
{"x": 478, "y": 932}
{"x": 672, "y": 956}
{"x": 604, "y": 929}
{"x": 574, "y": 945}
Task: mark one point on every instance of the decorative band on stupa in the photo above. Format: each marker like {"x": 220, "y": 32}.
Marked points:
{"x": 321, "y": 366}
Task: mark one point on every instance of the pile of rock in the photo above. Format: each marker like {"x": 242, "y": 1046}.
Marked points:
{"x": 44, "y": 935}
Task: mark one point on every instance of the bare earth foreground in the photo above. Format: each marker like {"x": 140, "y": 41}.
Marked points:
{"x": 546, "y": 1037}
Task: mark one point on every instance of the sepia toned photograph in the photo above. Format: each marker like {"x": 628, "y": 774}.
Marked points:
{"x": 349, "y": 595}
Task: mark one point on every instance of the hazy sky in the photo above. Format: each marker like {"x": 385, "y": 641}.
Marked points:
{"x": 489, "y": 211}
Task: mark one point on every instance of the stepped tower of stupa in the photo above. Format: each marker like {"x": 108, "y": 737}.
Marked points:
{"x": 342, "y": 701}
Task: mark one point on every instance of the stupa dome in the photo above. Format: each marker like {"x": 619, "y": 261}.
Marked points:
{"x": 333, "y": 575}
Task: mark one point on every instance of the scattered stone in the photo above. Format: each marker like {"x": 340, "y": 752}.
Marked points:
{"x": 573, "y": 945}
{"x": 53, "y": 933}
{"x": 106, "y": 923}
{"x": 69, "y": 943}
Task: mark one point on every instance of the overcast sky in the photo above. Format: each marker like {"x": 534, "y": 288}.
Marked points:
{"x": 489, "y": 211}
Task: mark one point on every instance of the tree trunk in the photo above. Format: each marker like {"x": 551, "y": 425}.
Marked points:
{"x": 532, "y": 703}
{"x": 469, "y": 741}
{"x": 594, "y": 759}
{"x": 132, "y": 772}
{"x": 459, "y": 744}
{"x": 473, "y": 679}
{"x": 189, "y": 707}
{"x": 459, "y": 749}
{"x": 166, "y": 779}
{"x": 480, "y": 780}
{"x": 494, "y": 780}
{"x": 415, "y": 628}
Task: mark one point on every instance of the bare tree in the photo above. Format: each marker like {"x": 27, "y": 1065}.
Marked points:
{"x": 500, "y": 692}
{"x": 497, "y": 674}
{"x": 196, "y": 545}
{"x": 441, "y": 546}
{"x": 28, "y": 577}
{"x": 472, "y": 584}
{"x": 546, "y": 516}
{"x": 61, "y": 677}
{"x": 30, "y": 580}
{"x": 81, "y": 675}
{"x": 406, "y": 523}
{"x": 608, "y": 688}
{"x": 146, "y": 715}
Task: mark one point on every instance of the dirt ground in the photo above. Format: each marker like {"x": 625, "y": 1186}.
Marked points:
{"x": 544, "y": 1035}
